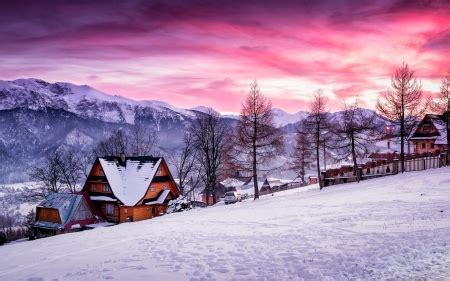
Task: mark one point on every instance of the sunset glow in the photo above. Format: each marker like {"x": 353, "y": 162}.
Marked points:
{"x": 191, "y": 53}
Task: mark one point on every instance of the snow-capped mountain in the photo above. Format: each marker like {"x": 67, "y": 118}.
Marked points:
{"x": 37, "y": 117}
{"x": 282, "y": 118}
{"x": 83, "y": 100}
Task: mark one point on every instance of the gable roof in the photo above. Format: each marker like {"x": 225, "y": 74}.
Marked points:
{"x": 438, "y": 123}
{"x": 65, "y": 203}
{"x": 130, "y": 179}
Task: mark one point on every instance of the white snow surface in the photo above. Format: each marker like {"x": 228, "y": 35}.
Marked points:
{"x": 130, "y": 182}
{"x": 393, "y": 227}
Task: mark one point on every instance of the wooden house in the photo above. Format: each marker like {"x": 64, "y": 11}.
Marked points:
{"x": 265, "y": 188}
{"x": 430, "y": 135}
{"x": 130, "y": 188}
{"x": 64, "y": 212}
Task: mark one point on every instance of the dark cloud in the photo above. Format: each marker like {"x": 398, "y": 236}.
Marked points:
{"x": 438, "y": 42}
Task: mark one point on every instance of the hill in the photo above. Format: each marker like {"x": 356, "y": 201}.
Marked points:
{"x": 392, "y": 227}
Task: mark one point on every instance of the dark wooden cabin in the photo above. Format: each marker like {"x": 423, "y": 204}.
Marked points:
{"x": 64, "y": 212}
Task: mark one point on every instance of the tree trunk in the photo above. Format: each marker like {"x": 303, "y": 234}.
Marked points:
{"x": 319, "y": 178}
{"x": 355, "y": 164}
{"x": 402, "y": 136}
{"x": 448, "y": 133}
{"x": 255, "y": 175}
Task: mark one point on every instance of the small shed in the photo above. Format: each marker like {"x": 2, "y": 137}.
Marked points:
{"x": 312, "y": 179}
{"x": 64, "y": 212}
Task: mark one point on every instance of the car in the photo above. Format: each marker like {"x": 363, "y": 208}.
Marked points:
{"x": 232, "y": 197}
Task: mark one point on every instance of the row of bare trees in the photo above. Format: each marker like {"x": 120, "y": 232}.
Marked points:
{"x": 351, "y": 135}
{"x": 213, "y": 149}
{"x": 66, "y": 169}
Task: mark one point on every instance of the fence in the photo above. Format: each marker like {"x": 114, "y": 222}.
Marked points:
{"x": 381, "y": 168}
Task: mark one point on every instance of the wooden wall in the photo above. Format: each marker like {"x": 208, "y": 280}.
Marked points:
{"x": 138, "y": 213}
{"x": 47, "y": 214}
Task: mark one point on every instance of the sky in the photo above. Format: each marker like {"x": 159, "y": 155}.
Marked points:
{"x": 190, "y": 53}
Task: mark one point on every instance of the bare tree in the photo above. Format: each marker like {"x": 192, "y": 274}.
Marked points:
{"x": 87, "y": 160}
{"x": 258, "y": 140}
{"x": 303, "y": 154}
{"x": 403, "y": 104}
{"x": 139, "y": 140}
{"x": 62, "y": 171}
{"x": 70, "y": 170}
{"x": 185, "y": 163}
{"x": 143, "y": 140}
{"x": 49, "y": 177}
{"x": 208, "y": 132}
{"x": 441, "y": 105}
{"x": 316, "y": 125}
{"x": 356, "y": 131}
{"x": 114, "y": 145}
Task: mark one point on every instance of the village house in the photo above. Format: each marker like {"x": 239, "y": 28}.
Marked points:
{"x": 64, "y": 212}
{"x": 430, "y": 135}
{"x": 130, "y": 188}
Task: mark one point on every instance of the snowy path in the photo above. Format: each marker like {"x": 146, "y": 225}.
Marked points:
{"x": 393, "y": 227}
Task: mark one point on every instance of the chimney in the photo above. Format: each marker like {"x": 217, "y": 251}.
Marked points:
{"x": 122, "y": 157}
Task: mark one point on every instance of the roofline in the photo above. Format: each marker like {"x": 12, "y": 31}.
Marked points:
{"x": 90, "y": 173}
{"x": 162, "y": 160}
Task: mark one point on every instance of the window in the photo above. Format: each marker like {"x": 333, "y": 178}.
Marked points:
{"x": 109, "y": 209}
{"x": 432, "y": 145}
{"x": 159, "y": 172}
{"x": 106, "y": 188}
{"x": 423, "y": 145}
{"x": 93, "y": 187}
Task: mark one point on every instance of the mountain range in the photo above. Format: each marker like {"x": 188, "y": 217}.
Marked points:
{"x": 37, "y": 117}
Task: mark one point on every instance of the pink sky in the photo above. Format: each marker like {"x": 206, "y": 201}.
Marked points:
{"x": 191, "y": 53}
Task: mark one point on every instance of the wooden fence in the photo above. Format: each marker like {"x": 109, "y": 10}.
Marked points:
{"x": 381, "y": 168}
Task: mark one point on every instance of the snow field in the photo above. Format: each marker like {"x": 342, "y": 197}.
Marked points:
{"x": 392, "y": 227}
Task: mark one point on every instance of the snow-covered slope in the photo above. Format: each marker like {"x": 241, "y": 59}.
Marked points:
{"x": 393, "y": 227}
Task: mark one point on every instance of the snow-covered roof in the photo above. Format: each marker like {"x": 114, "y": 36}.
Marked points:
{"x": 103, "y": 198}
{"x": 130, "y": 180}
{"x": 232, "y": 182}
{"x": 65, "y": 203}
{"x": 161, "y": 198}
{"x": 440, "y": 126}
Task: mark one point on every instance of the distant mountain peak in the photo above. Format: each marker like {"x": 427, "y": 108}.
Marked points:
{"x": 204, "y": 109}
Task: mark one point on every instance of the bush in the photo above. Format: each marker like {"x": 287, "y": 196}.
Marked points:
{"x": 179, "y": 205}
{"x": 2, "y": 238}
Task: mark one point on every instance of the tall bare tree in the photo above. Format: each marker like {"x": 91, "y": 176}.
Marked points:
{"x": 317, "y": 126}
{"x": 303, "y": 154}
{"x": 403, "y": 104}
{"x": 356, "y": 131}
{"x": 185, "y": 163}
{"x": 258, "y": 140}
{"x": 441, "y": 105}
{"x": 209, "y": 135}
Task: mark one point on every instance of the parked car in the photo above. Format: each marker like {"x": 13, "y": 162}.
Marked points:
{"x": 232, "y": 197}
